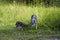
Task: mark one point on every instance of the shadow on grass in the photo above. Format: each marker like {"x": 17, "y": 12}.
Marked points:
{"x": 40, "y": 30}
{"x": 32, "y": 34}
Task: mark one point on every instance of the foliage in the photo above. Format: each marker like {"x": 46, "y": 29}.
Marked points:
{"x": 47, "y": 17}
{"x": 34, "y": 2}
{"x": 48, "y": 21}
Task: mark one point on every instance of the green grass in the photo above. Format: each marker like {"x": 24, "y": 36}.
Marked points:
{"x": 48, "y": 20}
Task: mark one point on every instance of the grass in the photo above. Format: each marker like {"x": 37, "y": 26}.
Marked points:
{"x": 48, "y": 19}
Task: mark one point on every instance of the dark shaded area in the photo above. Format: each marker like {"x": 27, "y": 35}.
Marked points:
{"x": 29, "y": 1}
{"x": 46, "y": 2}
{"x": 34, "y": 2}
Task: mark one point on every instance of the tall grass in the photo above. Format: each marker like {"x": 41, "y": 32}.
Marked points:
{"x": 46, "y": 17}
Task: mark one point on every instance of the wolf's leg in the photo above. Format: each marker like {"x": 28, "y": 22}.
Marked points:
{"x": 16, "y": 27}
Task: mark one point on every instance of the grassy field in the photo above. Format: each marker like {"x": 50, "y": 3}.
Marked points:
{"x": 48, "y": 21}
